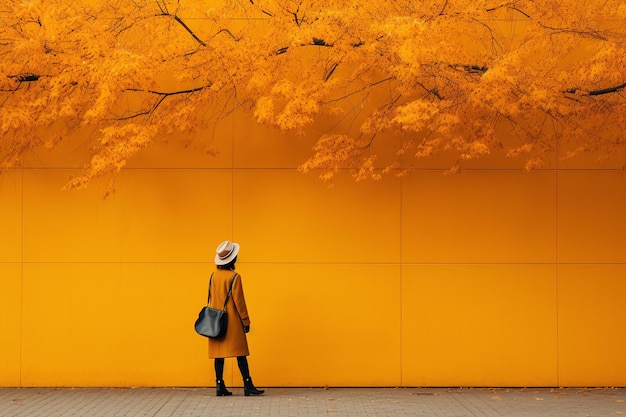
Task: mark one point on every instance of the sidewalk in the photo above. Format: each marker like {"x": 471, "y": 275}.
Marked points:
{"x": 301, "y": 402}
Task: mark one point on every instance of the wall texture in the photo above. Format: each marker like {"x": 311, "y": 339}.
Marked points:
{"x": 494, "y": 277}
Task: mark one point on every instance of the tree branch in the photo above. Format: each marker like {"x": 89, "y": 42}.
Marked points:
{"x": 162, "y": 96}
{"x": 165, "y": 12}
{"x": 331, "y": 71}
{"x": 358, "y": 91}
{"x": 595, "y": 34}
{"x": 512, "y": 6}
{"x": 479, "y": 69}
{"x": 229, "y": 33}
{"x": 19, "y": 78}
{"x": 193, "y": 35}
{"x": 264, "y": 11}
{"x": 599, "y": 92}
{"x": 614, "y": 89}
{"x": 25, "y": 77}
{"x": 441, "y": 12}
{"x": 317, "y": 42}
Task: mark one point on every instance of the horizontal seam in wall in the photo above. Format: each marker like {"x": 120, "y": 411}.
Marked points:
{"x": 309, "y": 263}
{"x": 391, "y": 172}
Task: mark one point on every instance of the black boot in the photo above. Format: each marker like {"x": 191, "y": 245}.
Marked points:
{"x": 250, "y": 389}
{"x": 220, "y": 389}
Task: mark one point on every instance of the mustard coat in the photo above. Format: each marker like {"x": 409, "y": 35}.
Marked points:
{"x": 235, "y": 342}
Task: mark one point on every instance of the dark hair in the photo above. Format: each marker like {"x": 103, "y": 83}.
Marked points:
{"x": 230, "y": 265}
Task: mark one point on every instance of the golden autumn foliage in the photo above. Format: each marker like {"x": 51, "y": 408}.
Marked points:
{"x": 472, "y": 77}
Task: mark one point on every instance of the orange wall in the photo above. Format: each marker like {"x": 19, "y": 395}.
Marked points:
{"x": 495, "y": 277}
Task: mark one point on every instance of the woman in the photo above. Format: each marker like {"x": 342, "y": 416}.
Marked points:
{"x": 235, "y": 343}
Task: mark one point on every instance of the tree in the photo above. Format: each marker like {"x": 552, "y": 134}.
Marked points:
{"x": 471, "y": 77}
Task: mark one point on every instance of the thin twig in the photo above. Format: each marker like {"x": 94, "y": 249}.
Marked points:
{"x": 163, "y": 96}
{"x": 358, "y": 91}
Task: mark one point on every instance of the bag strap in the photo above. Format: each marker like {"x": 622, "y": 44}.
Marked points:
{"x": 230, "y": 290}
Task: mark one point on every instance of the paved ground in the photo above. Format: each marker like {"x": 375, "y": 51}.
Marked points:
{"x": 300, "y": 402}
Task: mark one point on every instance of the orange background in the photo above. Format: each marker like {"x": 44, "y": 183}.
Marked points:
{"x": 494, "y": 277}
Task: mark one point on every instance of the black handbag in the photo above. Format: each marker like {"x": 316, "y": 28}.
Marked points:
{"x": 212, "y": 322}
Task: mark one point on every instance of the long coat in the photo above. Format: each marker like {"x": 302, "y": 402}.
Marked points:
{"x": 235, "y": 342}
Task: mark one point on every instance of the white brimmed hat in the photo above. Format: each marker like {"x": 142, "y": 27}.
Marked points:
{"x": 226, "y": 252}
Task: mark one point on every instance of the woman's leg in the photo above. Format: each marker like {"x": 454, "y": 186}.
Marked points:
{"x": 242, "y": 361}
{"x": 248, "y": 386}
{"x": 220, "y": 387}
{"x": 219, "y": 368}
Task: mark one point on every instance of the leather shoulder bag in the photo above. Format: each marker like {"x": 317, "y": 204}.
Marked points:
{"x": 212, "y": 322}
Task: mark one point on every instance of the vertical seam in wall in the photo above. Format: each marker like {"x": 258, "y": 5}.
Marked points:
{"x": 232, "y": 180}
{"x": 21, "y": 342}
{"x": 232, "y": 209}
{"x": 401, "y": 280}
{"x": 556, "y": 260}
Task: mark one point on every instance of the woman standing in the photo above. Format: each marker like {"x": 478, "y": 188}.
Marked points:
{"x": 234, "y": 343}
